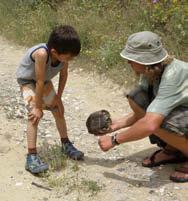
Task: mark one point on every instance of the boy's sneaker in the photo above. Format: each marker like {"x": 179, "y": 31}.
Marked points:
{"x": 34, "y": 164}
{"x": 71, "y": 151}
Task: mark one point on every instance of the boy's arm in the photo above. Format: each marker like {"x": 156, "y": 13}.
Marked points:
{"x": 62, "y": 80}
{"x": 40, "y": 57}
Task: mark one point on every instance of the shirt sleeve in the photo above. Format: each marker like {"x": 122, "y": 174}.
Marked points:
{"x": 168, "y": 96}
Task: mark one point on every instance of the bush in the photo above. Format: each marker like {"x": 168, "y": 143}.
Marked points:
{"x": 25, "y": 25}
{"x": 103, "y": 25}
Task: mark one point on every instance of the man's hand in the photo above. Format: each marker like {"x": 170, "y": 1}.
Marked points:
{"x": 35, "y": 115}
{"x": 105, "y": 142}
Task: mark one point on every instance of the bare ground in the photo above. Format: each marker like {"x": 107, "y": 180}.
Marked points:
{"x": 118, "y": 172}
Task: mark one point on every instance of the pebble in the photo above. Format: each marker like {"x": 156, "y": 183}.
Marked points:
{"x": 161, "y": 190}
{"x": 18, "y": 184}
{"x": 177, "y": 188}
{"x": 48, "y": 136}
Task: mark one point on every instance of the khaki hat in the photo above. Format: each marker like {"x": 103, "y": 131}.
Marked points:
{"x": 144, "y": 48}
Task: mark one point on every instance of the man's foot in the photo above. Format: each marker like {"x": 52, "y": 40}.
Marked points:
{"x": 71, "y": 151}
{"x": 34, "y": 164}
{"x": 162, "y": 157}
{"x": 180, "y": 174}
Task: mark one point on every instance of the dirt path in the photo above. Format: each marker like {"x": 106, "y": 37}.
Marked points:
{"x": 118, "y": 173}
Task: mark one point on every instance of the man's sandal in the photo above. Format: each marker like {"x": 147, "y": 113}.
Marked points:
{"x": 184, "y": 175}
{"x": 178, "y": 158}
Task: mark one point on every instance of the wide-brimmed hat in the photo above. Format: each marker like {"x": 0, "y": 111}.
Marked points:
{"x": 144, "y": 48}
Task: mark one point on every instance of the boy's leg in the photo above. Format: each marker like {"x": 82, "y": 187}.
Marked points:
{"x": 33, "y": 162}
{"x": 31, "y": 137}
{"x": 60, "y": 121}
{"x": 67, "y": 146}
{"x": 28, "y": 93}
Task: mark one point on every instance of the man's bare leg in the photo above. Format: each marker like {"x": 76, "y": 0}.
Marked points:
{"x": 174, "y": 140}
{"x": 160, "y": 156}
{"x": 181, "y": 143}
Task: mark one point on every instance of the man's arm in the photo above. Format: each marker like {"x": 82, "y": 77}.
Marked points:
{"x": 123, "y": 122}
{"x": 141, "y": 129}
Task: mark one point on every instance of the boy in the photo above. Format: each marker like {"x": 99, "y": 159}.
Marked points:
{"x": 39, "y": 65}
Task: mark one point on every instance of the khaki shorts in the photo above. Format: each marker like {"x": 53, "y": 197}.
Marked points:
{"x": 29, "y": 96}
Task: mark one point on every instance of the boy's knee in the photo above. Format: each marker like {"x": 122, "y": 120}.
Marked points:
{"x": 34, "y": 124}
{"x": 56, "y": 112}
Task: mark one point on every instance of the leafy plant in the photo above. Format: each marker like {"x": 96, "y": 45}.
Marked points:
{"x": 91, "y": 186}
{"x": 53, "y": 156}
{"x": 103, "y": 26}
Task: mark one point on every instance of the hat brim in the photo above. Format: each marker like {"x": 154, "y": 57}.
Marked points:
{"x": 145, "y": 58}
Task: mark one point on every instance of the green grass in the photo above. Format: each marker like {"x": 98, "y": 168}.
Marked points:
{"x": 53, "y": 156}
{"x": 103, "y": 26}
{"x": 65, "y": 174}
{"x": 91, "y": 186}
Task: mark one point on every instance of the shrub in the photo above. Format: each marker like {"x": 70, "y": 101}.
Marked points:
{"x": 103, "y": 25}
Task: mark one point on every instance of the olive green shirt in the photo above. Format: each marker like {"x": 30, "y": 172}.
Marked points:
{"x": 172, "y": 90}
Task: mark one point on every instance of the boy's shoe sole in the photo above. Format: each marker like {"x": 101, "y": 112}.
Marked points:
{"x": 38, "y": 170}
{"x": 79, "y": 157}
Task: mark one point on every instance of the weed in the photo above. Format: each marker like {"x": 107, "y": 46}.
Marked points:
{"x": 75, "y": 166}
{"x": 53, "y": 156}
{"x": 64, "y": 173}
{"x": 91, "y": 186}
{"x": 55, "y": 182}
{"x": 103, "y": 26}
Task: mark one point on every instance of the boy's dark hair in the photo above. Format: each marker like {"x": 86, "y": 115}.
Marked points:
{"x": 65, "y": 40}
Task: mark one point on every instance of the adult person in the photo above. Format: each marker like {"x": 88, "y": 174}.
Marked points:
{"x": 159, "y": 104}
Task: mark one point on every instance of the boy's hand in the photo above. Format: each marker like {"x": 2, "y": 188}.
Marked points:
{"x": 35, "y": 115}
